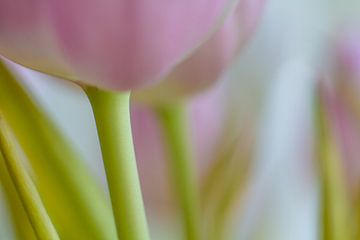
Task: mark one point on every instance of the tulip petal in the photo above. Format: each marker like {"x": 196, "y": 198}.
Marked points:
{"x": 122, "y": 44}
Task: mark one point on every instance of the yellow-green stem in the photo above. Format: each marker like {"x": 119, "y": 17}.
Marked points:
{"x": 25, "y": 188}
{"x": 173, "y": 119}
{"x": 112, "y": 116}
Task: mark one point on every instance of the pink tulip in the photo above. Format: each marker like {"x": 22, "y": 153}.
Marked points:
{"x": 206, "y": 64}
{"x": 111, "y": 44}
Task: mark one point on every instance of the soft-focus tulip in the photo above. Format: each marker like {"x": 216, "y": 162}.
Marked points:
{"x": 207, "y": 63}
{"x": 116, "y": 45}
{"x": 150, "y": 148}
{"x": 343, "y": 102}
{"x": 345, "y": 128}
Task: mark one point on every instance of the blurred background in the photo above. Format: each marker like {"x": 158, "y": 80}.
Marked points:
{"x": 263, "y": 111}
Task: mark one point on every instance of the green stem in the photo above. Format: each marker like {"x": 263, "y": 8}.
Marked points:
{"x": 335, "y": 206}
{"x": 112, "y": 116}
{"x": 175, "y": 129}
{"x": 77, "y": 207}
{"x": 25, "y": 188}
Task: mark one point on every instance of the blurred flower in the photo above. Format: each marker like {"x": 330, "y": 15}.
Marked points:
{"x": 273, "y": 88}
{"x": 222, "y": 153}
{"x": 339, "y": 91}
{"x": 345, "y": 128}
{"x": 342, "y": 99}
{"x": 110, "y": 44}
{"x": 207, "y": 63}
{"x": 150, "y": 148}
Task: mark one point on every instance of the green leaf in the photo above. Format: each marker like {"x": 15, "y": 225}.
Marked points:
{"x": 73, "y": 197}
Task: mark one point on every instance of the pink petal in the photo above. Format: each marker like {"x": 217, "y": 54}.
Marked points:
{"x": 26, "y": 38}
{"x": 122, "y": 44}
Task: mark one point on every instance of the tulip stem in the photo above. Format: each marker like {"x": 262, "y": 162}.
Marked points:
{"x": 25, "y": 188}
{"x": 173, "y": 119}
{"x": 112, "y": 116}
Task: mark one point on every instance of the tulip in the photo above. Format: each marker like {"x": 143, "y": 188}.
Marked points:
{"x": 112, "y": 45}
{"x": 344, "y": 117}
{"x": 121, "y": 46}
{"x": 115, "y": 45}
{"x": 208, "y": 62}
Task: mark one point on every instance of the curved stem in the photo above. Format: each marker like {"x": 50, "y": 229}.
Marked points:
{"x": 175, "y": 129}
{"x": 112, "y": 116}
{"x": 25, "y": 188}
{"x": 80, "y": 210}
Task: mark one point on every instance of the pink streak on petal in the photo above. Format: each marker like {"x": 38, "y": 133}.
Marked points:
{"x": 26, "y": 38}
